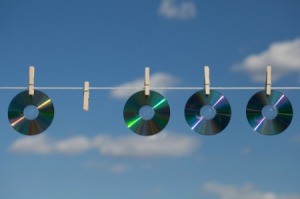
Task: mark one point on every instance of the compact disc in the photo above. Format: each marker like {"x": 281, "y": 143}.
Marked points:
{"x": 31, "y": 115}
{"x": 146, "y": 115}
{"x": 269, "y": 115}
{"x": 207, "y": 114}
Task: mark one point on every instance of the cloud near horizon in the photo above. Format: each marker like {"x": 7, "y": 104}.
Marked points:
{"x": 177, "y": 9}
{"x": 161, "y": 145}
{"x": 244, "y": 192}
{"x": 283, "y": 56}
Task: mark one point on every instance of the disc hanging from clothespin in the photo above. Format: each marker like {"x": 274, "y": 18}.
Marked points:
{"x": 207, "y": 112}
{"x": 206, "y": 80}
{"x": 147, "y": 81}
{"x": 31, "y": 112}
{"x": 268, "y": 80}
{"x": 31, "y": 81}
{"x": 86, "y": 96}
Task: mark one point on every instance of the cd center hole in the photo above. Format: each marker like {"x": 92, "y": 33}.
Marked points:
{"x": 31, "y": 112}
{"x": 208, "y": 112}
{"x": 269, "y": 112}
{"x": 146, "y": 112}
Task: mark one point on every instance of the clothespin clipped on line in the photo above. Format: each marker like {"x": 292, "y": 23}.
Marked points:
{"x": 268, "y": 80}
{"x": 206, "y": 80}
{"x": 31, "y": 81}
{"x": 147, "y": 81}
{"x": 86, "y": 96}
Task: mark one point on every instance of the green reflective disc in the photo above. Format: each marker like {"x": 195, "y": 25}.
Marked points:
{"x": 149, "y": 126}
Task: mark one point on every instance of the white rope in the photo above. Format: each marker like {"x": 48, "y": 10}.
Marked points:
{"x": 13, "y": 88}
{"x": 153, "y": 88}
{"x": 59, "y": 88}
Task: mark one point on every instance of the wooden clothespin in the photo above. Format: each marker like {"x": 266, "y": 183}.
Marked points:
{"x": 147, "y": 81}
{"x": 268, "y": 80}
{"x": 31, "y": 81}
{"x": 206, "y": 80}
{"x": 86, "y": 96}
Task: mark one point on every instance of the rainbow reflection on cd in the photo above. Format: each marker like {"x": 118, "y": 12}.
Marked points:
{"x": 262, "y": 123}
{"x": 205, "y": 124}
{"x": 140, "y": 125}
{"x": 43, "y": 119}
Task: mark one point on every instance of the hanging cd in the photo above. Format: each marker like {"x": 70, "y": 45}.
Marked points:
{"x": 31, "y": 115}
{"x": 207, "y": 114}
{"x": 269, "y": 115}
{"x": 146, "y": 115}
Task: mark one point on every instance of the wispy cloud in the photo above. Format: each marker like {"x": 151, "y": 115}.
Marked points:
{"x": 246, "y": 150}
{"x": 156, "y": 80}
{"x": 244, "y": 192}
{"x": 177, "y": 9}
{"x": 282, "y": 56}
{"x": 130, "y": 146}
{"x": 107, "y": 166}
{"x": 296, "y": 139}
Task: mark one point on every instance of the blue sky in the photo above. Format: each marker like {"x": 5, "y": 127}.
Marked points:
{"x": 92, "y": 154}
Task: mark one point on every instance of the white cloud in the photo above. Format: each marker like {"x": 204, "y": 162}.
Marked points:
{"x": 38, "y": 144}
{"x": 176, "y": 9}
{"x": 155, "y": 146}
{"x": 244, "y": 192}
{"x": 42, "y": 144}
{"x": 282, "y": 56}
{"x": 73, "y": 145}
{"x": 131, "y": 146}
{"x": 156, "y": 80}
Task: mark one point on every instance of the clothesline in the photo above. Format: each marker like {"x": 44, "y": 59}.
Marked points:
{"x": 153, "y": 88}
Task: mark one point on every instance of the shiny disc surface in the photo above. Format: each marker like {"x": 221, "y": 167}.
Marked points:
{"x": 203, "y": 123}
{"x": 33, "y": 126}
{"x": 146, "y": 127}
{"x": 276, "y": 102}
